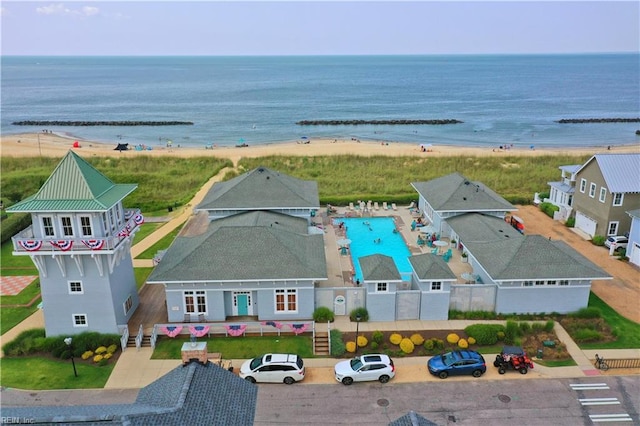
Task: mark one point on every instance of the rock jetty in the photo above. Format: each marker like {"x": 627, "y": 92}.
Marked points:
{"x": 598, "y": 120}
{"x": 375, "y": 122}
{"x": 101, "y": 123}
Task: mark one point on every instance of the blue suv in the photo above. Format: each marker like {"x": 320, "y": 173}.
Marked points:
{"x": 457, "y": 363}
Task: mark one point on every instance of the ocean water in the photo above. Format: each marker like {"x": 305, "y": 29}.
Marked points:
{"x": 501, "y": 99}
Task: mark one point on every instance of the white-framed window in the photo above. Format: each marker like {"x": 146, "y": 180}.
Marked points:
{"x": 47, "y": 227}
{"x": 75, "y": 287}
{"x": 436, "y": 285}
{"x": 612, "y": 229}
{"x": 241, "y": 293}
{"x": 603, "y": 194}
{"x": 583, "y": 185}
{"x": 128, "y": 304}
{"x": 105, "y": 224}
{"x": 112, "y": 220}
{"x": 382, "y": 288}
{"x": 85, "y": 225}
{"x": 539, "y": 282}
{"x": 527, "y": 284}
{"x": 67, "y": 227}
{"x": 564, "y": 282}
{"x": 552, "y": 282}
{"x": 286, "y": 300}
{"x": 592, "y": 190}
{"x": 119, "y": 215}
{"x": 618, "y": 199}
{"x": 80, "y": 320}
{"x": 195, "y": 302}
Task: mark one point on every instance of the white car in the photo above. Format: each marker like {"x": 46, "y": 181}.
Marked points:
{"x": 273, "y": 368}
{"x": 617, "y": 242}
{"x": 365, "y": 368}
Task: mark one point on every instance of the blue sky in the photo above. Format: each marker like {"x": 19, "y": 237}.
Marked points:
{"x": 317, "y": 28}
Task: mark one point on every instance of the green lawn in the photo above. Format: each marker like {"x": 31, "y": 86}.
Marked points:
{"x": 163, "y": 244}
{"x": 627, "y": 331}
{"x": 10, "y": 316}
{"x": 40, "y": 373}
{"x": 239, "y": 347}
{"x": 15, "y": 265}
{"x": 145, "y": 230}
{"x": 141, "y": 276}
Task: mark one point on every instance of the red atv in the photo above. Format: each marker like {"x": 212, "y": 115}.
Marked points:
{"x": 513, "y": 358}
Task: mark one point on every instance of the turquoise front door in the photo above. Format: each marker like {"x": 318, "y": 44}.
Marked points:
{"x": 242, "y": 301}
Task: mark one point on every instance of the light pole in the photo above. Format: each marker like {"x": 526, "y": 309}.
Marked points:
{"x": 358, "y": 319}
{"x": 68, "y": 341}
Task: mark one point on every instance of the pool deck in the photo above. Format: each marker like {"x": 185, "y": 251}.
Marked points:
{"x": 339, "y": 267}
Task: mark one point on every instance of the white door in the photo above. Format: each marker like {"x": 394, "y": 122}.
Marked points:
{"x": 585, "y": 224}
{"x": 634, "y": 256}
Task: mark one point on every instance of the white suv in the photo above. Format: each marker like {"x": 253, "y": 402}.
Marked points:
{"x": 273, "y": 368}
{"x": 617, "y": 242}
{"x": 366, "y": 367}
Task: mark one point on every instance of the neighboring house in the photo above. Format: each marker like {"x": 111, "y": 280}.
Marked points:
{"x": 633, "y": 248}
{"x": 80, "y": 242}
{"x": 607, "y": 186}
{"x": 561, "y": 193}
{"x": 251, "y": 251}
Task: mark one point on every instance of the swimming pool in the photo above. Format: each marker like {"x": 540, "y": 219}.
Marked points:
{"x": 364, "y": 234}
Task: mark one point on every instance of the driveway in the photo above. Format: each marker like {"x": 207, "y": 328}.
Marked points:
{"x": 622, "y": 293}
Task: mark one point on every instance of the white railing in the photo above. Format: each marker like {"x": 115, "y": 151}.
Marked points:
{"x": 139, "y": 337}
{"x": 329, "y": 335}
{"x": 261, "y": 328}
{"x": 154, "y": 336}
{"x": 124, "y": 339}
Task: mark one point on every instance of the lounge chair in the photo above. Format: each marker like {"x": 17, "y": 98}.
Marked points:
{"x": 369, "y": 205}
{"x": 412, "y": 205}
{"x": 375, "y": 206}
{"x": 351, "y": 207}
{"x": 385, "y": 206}
{"x": 434, "y": 250}
{"x": 393, "y": 206}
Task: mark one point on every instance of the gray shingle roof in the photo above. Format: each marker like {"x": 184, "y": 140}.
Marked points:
{"x": 74, "y": 186}
{"x": 228, "y": 251}
{"x": 620, "y": 171}
{"x": 482, "y": 228}
{"x": 261, "y": 188}
{"x": 379, "y": 267}
{"x": 634, "y": 213}
{"x": 429, "y": 266}
{"x": 455, "y": 193}
{"x": 412, "y": 419}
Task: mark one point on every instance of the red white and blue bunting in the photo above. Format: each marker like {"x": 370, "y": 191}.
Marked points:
{"x": 138, "y": 219}
{"x": 199, "y": 330}
{"x": 93, "y": 244}
{"x": 30, "y": 245}
{"x": 275, "y": 324}
{"x": 236, "y": 330}
{"x": 63, "y": 245}
{"x": 299, "y": 328}
{"x": 171, "y": 331}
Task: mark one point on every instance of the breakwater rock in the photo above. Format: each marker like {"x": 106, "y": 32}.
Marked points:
{"x": 359, "y": 122}
{"x": 101, "y": 123}
{"x": 598, "y": 120}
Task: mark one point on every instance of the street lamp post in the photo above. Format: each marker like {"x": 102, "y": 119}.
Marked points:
{"x": 358, "y": 319}
{"x": 68, "y": 341}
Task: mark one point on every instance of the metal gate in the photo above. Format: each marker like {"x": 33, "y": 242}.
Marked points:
{"x": 407, "y": 305}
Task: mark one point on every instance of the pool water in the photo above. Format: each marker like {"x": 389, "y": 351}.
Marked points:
{"x": 365, "y": 233}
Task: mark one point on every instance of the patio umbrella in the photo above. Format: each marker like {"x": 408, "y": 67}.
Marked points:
{"x": 344, "y": 242}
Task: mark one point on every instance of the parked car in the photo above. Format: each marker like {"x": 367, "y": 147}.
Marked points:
{"x": 513, "y": 358}
{"x": 365, "y": 368}
{"x": 273, "y": 368}
{"x": 457, "y": 363}
{"x": 617, "y": 242}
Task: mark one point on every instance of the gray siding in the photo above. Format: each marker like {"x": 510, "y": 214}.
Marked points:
{"x": 381, "y": 306}
{"x": 434, "y": 305}
{"x": 561, "y": 299}
{"x": 473, "y": 297}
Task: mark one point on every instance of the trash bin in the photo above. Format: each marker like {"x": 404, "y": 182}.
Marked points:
{"x": 539, "y": 355}
{"x": 170, "y": 208}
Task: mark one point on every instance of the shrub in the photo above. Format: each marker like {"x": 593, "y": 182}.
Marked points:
{"x": 323, "y": 314}
{"x": 361, "y": 312}
{"x": 362, "y": 341}
{"x": 107, "y": 355}
{"x": 417, "y": 339}
{"x": 407, "y": 345}
{"x": 512, "y": 332}
{"x": 537, "y": 327}
{"x": 525, "y": 327}
{"x": 570, "y": 223}
{"x": 97, "y": 358}
{"x": 337, "y": 344}
{"x": 428, "y": 345}
{"x": 350, "y": 347}
{"x": 549, "y": 209}
{"x": 471, "y": 341}
{"x": 598, "y": 240}
{"x": 377, "y": 336}
{"x": 586, "y": 335}
{"x": 484, "y": 334}
{"x": 395, "y": 338}
{"x": 587, "y": 313}
{"x": 374, "y": 346}
{"x": 87, "y": 355}
{"x": 453, "y": 338}
{"x": 438, "y": 343}
{"x": 548, "y": 326}
{"x": 101, "y": 350}
{"x": 462, "y": 343}
{"x": 112, "y": 349}
{"x": 500, "y": 335}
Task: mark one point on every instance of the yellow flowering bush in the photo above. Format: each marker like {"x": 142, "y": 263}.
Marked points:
{"x": 453, "y": 338}
{"x": 107, "y": 355}
{"x": 395, "y": 338}
{"x": 463, "y": 344}
{"x": 407, "y": 345}
{"x": 417, "y": 339}
{"x": 112, "y": 349}
{"x": 97, "y": 358}
{"x": 87, "y": 355}
{"x": 471, "y": 341}
{"x": 350, "y": 347}
{"x": 101, "y": 350}
{"x": 362, "y": 341}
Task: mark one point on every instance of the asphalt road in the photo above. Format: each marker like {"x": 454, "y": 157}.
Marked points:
{"x": 461, "y": 402}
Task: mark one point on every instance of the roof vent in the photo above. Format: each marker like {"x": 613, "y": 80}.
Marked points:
{"x": 464, "y": 198}
{"x": 466, "y": 182}
{"x": 261, "y": 169}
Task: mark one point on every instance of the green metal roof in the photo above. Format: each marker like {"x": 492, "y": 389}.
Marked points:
{"x": 74, "y": 186}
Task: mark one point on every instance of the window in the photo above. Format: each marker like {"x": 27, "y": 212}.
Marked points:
{"x": 80, "y": 320}
{"x": 592, "y": 190}
{"x": 75, "y": 287}
{"x": 382, "y": 288}
{"x": 436, "y": 285}
{"x": 539, "y": 282}
{"x": 618, "y": 199}
{"x": 105, "y": 224}
{"x": 47, "y": 227}
{"x": 527, "y": 284}
{"x": 603, "y": 194}
{"x": 564, "y": 282}
{"x": 67, "y": 229}
{"x": 195, "y": 302}
{"x": 551, "y": 282}
{"x": 85, "y": 223}
{"x": 112, "y": 220}
{"x": 286, "y": 300}
{"x": 118, "y": 215}
{"x": 583, "y": 185}
{"x": 613, "y": 228}
{"x": 128, "y": 304}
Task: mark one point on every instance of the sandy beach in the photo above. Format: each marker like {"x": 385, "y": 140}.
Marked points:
{"x": 54, "y": 145}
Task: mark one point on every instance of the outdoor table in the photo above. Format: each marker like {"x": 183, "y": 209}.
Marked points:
{"x": 194, "y": 350}
{"x": 469, "y": 278}
{"x": 440, "y": 244}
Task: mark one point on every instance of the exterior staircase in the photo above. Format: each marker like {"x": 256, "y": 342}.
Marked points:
{"x": 146, "y": 341}
{"x": 321, "y": 343}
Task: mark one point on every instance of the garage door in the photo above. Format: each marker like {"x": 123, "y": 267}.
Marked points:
{"x": 635, "y": 254}
{"x": 585, "y": 224}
